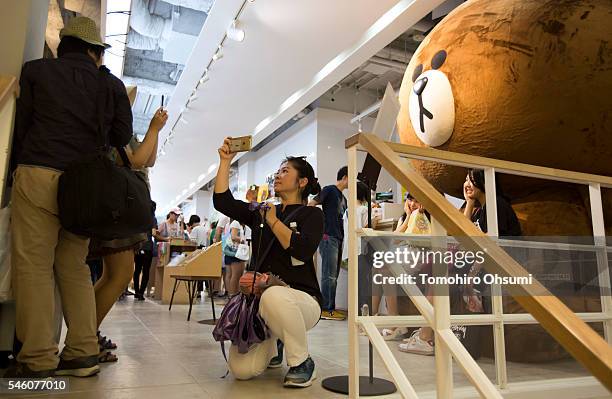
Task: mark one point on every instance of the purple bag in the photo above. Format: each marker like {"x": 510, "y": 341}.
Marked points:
{"x": 241, "y": 323}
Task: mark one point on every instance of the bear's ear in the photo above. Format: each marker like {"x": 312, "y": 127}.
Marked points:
{"x": 438, "y": 59}
{"x": 417, "y": 71}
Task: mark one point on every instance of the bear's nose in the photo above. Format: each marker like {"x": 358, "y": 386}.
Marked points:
{"x": 419, "y": 86}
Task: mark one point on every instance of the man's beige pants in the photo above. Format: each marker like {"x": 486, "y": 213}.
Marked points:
{"x": 43, "y": 254}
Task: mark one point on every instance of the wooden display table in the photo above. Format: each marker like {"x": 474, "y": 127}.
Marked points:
{"x": 165, "y": 251}
{"x": 204, "y": 263}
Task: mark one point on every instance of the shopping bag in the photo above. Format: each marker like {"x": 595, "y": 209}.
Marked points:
{"x": 242, "y": 252}
{"x": 5, "y": 255}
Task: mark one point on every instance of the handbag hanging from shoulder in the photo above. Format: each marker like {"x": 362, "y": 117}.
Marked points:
{"x": 99, "y": 199}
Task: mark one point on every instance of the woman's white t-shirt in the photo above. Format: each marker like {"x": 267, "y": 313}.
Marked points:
{"x": 236, "y": 225}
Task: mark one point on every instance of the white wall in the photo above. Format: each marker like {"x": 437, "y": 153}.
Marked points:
{"x": 202, "y": 200}
{"x": 300, "y": 139}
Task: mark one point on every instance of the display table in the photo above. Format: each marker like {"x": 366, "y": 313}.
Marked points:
{"x": 165, "y": 251}
{"x": 202, "y": 262}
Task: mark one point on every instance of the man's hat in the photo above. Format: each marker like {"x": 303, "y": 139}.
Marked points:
{"x": 85, "y": 29}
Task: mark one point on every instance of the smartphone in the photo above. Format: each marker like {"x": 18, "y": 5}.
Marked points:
{"x": 162, "y": 102}
{"x": 240, "y": 144}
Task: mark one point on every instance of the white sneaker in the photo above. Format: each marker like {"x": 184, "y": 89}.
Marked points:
{"x": 415, "y": 344}
{"x": 393, "y": 334}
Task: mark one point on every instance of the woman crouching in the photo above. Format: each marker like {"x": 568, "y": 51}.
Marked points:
{"x": 294, "y": 231}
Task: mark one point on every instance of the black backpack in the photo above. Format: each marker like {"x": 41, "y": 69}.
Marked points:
{"x": 99, "y": 199}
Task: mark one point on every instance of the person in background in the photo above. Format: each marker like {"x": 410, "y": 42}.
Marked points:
{"x": 422, "y": 340}
{"x": 213, "y": 232}
{"x": 234, "y": 266}
{"x": 334, "y": 205}
{"x": 288, "y": 311}
{"x": 222, "y": 224}
{"x": 119, "y": 254}
{"x": 198, "y": 233}
{"x": 410, "y": 205}
{"x": 171, "y": 227}
{"x": 390, "y": 292}
{"x": 142, "y": 262}
{"x": 475, "y": 209}
{"x": 55, "y": 125}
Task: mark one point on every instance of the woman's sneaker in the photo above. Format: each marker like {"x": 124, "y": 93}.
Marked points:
{"x": 277, "y": 361}
{"x": 301, "y": 376}
{"x": 415, "y": 344}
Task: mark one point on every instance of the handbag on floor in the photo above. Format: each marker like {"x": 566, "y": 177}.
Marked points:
{"x": 99, "y": 199}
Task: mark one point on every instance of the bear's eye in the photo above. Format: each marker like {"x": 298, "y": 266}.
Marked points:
{"x": 417, "y": 71}
{"x": 438, "y": 59}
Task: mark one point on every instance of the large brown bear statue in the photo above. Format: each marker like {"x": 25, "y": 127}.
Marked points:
{"x": 527, "y": 81}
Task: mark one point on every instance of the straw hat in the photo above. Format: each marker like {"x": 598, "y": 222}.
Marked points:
{"x": 85, "y": 29}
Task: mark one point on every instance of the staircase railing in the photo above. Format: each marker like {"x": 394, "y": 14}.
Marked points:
{"x": 565, "y": 326}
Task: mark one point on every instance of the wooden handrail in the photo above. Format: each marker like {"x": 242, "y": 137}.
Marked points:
{"x": 582, "y": 342}
{"x": 8, "y": 88}
{"x": 501, "y": 166}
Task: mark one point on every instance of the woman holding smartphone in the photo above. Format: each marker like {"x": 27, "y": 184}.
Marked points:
{"x": 294, "y": 231}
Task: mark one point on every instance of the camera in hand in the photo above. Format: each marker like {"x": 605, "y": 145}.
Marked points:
{"x": 241, "y": 144}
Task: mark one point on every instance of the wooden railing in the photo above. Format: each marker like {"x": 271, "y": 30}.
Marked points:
{"x": 582, "y": 342}
{"x": 8, "y": 93}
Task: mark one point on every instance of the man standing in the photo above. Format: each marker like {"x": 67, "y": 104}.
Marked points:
{"x": 198, "y": 233}
{"x": 334, "y": 204}
{"x": 56, "y": 124}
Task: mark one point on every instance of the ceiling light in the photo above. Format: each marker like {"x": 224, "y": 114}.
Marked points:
{"x": 235, "y": 31}
{"x": 162, "y": 152}
{"x": 212, "y": 167}
{"x": 219, "y": 54}
{"x": 192, "y": 185}
{"x": 184, "y": 192}
{"x": 204, "y": 77}
{"x": 201, "y": 177}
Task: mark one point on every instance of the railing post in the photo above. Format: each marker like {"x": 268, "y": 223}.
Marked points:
{"x": 353, "y": 288}
{"x": 599, "y": 236}
{"x": 497, "y": 305}
{"x": 441, "y": 302}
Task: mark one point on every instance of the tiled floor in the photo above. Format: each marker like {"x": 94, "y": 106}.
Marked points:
{"x": 161, "y": 355}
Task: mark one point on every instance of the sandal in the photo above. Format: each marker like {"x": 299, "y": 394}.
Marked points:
{"x": 107, "y": 357}
{"x": 105, "y": 343}
{"x": 393, "y": 334}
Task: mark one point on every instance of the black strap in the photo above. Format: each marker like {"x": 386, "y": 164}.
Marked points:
{"x": 124, "y": 157}
{"x": 102, "y": 84}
